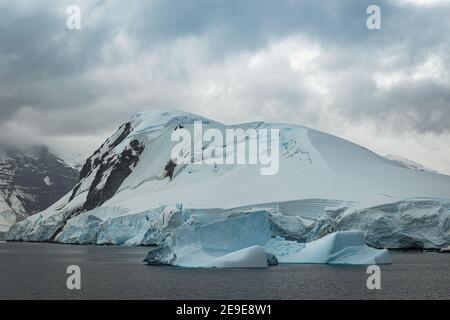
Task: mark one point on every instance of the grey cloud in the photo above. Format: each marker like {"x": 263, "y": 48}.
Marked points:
{"x": 69, "y": 83}
{"x": 248, "y": 25}
{"x": 422, "y": 105}
{"x": 411, "y": 105}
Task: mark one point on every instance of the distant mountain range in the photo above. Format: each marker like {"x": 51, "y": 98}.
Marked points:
{"x": 31, "y": 180}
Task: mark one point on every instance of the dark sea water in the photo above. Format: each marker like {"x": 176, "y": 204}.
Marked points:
{"x": 38, "y": 271}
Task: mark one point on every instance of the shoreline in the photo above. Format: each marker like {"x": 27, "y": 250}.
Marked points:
{"x": 4, "y": 240}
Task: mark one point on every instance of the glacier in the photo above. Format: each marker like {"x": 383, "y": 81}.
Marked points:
{"x": 417, "y": 223}
{"x": 129, "y": 194}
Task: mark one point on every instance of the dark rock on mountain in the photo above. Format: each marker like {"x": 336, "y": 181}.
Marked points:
{"x": 32, "y": 179}
{"x": 119, "y": 167}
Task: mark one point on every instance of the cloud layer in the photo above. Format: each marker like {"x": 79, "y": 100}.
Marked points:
{"x": 309, "y": 62}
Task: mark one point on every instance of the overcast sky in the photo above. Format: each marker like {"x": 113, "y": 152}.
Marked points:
{"x": 313, "y": 63}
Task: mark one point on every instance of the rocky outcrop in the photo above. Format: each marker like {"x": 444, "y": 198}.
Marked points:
{"x": 114, "y": 170}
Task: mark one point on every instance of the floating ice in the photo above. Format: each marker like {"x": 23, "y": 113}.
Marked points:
{"x": 252, "y": 257}
{"x": 244, "y": 240}
{"x": 343, "y": 247}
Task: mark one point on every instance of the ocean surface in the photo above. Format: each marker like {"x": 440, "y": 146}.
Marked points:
{"x": 38, "y": 271}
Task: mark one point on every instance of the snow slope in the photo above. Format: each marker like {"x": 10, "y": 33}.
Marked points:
{"x": 128, "y": 193}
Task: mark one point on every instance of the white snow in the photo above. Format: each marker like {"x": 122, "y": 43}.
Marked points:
{"x": 73, "y": 160}
{"x": 408, "y": 164}
{"x": 313, "y": 165}
{"x": 48, "y": 181}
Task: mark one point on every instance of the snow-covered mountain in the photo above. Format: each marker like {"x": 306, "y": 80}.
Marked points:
{"x": 130, "y": 192}
{"x": 74, "y": 160}
{"x": 31, "y": 180}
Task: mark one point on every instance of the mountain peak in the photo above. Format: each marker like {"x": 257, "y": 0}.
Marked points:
{"x": 158, "y": 118}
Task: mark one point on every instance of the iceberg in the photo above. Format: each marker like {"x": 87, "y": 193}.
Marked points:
{"x": 252, "y": 257}
{"x": 244, "y": 240}
{"x": 445, "y": 250}
{"x": 343, "y": 247}
{"x": 198, "y": 244}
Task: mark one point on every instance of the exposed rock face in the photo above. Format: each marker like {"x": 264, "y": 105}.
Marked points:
{"x": 97, "y": 158}
{"x": 31, "y": 180}
{"x": 169, "y": 168}
{"x": 86, "y": 169}
{"x": 108, "y": 169}
{"x": 114, "y": 170}
{"x": 109, "y": 173}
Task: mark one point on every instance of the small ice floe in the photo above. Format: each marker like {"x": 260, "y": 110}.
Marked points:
{"x": 445, "y": 250}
